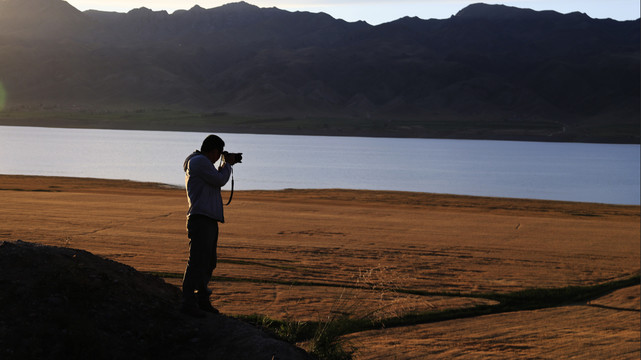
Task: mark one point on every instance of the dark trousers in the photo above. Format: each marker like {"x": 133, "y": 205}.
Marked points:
{"x": 203, "y": 240}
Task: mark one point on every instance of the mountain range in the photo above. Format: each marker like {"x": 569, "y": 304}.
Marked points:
{"x": 490, "y": 71}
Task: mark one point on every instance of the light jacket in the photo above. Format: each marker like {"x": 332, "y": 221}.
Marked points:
{"x": 203, "y": 182}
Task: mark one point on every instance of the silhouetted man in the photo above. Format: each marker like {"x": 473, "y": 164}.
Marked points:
{"x": 203, "y": 182}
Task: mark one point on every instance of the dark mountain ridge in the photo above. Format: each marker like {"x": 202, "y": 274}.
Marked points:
{"x": 490, "y": 71}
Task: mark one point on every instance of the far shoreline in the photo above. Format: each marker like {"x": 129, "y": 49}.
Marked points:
{"x": 40, "y": 183}
{"x": 266, "y": 127}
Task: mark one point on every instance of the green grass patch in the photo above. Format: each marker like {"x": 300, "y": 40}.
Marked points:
{"x": 176, "y": 119}
{"x": 142, "y": 119}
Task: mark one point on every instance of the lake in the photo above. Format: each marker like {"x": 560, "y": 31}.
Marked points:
{"x": 601, "y": 173}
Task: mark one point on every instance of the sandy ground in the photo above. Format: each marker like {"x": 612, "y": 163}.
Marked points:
{"x": 380, "y": 240}
{"x": 569, "y": 332}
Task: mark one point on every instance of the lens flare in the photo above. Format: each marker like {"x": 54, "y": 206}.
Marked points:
{"x": 3, "y": 96}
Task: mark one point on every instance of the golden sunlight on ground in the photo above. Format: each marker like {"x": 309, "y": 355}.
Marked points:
{"x": 306, "y": 255}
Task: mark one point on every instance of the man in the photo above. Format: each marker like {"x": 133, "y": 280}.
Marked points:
{"x": 203, "y": 182}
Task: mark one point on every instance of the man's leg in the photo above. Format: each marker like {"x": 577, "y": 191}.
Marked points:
{"x": 212, "y": 259}
{"x": 211, "y": 255}
{"x": 203, "y": 234}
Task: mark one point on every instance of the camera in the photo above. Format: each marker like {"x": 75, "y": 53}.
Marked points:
{"x": 233, "y": 158}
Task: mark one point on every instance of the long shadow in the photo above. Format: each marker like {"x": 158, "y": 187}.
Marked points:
{"x": 529, "y": 299}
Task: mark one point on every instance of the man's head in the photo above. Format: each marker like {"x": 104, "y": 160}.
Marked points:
{"x": 212, "y": 147}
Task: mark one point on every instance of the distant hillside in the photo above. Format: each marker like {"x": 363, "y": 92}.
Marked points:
{"x": 490, "y": 71}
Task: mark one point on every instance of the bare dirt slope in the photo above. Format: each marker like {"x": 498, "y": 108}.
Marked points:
{"x": 296, "y": 254}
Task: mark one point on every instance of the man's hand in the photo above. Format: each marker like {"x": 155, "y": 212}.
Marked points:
{"x": 232, "y": 158}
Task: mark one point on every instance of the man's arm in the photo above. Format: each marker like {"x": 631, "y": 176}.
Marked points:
{"x": 201, "y": 166}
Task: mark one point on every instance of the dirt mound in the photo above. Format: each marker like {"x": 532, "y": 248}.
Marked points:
{"x": 67, "y": 303}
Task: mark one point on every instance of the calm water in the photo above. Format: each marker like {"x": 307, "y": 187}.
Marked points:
{"x": 558, "y": 171}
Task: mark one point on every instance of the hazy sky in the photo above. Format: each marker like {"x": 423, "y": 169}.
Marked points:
{"x": 380, "y": 11}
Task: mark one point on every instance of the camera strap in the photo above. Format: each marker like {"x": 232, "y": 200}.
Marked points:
{"x": 231, "y": 195}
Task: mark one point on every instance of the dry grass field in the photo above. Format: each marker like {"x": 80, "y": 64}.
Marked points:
{"x": 309, "y": 255}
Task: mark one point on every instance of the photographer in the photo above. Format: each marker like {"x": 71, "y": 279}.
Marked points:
{"x": 203, "y": 182}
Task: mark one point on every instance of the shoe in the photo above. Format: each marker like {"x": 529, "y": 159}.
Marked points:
{"x": 192, "y": 310}
{"x": 202, "y": 298}
{"x": 206, "y": 307}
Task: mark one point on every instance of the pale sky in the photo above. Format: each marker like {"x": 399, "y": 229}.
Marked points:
{"x": 379, "y": 11}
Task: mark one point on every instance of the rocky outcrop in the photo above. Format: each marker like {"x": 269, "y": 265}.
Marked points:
{"x": 61, "y": 303}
